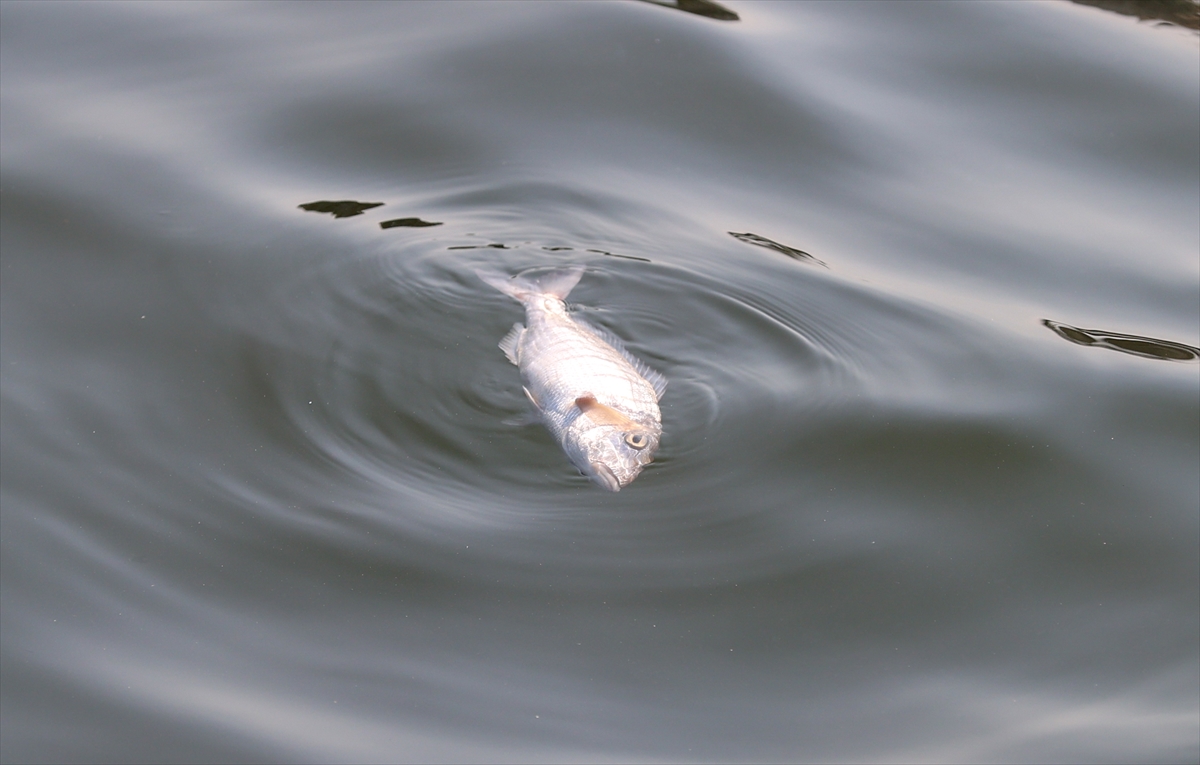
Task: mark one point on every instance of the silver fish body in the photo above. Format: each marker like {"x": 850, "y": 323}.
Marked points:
{"x": 598, "y": 400}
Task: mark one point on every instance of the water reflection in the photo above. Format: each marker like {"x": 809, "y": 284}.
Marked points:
{"x": 346, "y": 208}
{"x": 1135, "y": 345}
{"x": 770, "y": 244}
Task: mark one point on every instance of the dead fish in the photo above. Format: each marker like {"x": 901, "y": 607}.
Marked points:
{"x": 599, "y": 400}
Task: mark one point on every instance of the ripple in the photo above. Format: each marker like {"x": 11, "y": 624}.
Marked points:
{"x": 391, "y": 373}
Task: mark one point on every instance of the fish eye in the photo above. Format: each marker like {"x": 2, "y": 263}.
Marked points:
{"x": 637, "y": 440}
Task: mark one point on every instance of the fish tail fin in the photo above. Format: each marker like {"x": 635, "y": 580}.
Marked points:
{"x": 557, "y": 282}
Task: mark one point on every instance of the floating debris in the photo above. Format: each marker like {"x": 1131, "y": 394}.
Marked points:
{"x": 408, "y": 222}
{"x": 1134, "y": 345}
{"x": 770, "y": 244}
{"x": 346, "y": 208}
{"x": 1184, "y": 13}
{"x": 480, "y": 247}
{"x": 706, "y": 8}
{"x": 615, "y": 255}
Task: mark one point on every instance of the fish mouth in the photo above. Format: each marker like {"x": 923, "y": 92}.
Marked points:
{"x": 604, "y": 476}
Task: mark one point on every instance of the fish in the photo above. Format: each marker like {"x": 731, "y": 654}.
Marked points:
{"x": 598, "y": 400}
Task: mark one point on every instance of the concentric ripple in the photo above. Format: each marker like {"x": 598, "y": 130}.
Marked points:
{"x": 390, "y": 371}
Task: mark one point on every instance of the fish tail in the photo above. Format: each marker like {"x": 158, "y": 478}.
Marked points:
{"x": 557, "y": 282}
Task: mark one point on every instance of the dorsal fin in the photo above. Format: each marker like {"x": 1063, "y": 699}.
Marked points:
{"x": 656, "y": 380}
{"x": 602, "y": 414}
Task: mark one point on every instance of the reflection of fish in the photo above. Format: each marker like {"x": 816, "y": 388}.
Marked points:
{"x": 1135, "y": 345}
{"x": 598, "y": 400}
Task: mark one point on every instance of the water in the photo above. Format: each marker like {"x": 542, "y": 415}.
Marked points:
{"x": 923, "y": 278}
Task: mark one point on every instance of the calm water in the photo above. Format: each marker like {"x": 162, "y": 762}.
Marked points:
{"x": 924, "y": 279}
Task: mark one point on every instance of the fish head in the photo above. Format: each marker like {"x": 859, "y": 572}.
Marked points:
{"x": 613, "y": 455}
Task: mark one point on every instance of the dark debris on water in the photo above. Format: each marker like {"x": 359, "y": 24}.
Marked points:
{"x": 705, "y": 8}
{"x": 408, "y": 222}
{"x": 345, "y": 208}
{"x": 771, "y": 244}
{"x": 626, "y": 257}
{"x": 1184, "y": 13}
{"x": 1135, "y": 345}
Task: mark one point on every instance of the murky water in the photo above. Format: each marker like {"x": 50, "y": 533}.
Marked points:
{"x": 924, "y": 279}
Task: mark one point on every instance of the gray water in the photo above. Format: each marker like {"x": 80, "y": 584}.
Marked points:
{"x": 924, "y": 279}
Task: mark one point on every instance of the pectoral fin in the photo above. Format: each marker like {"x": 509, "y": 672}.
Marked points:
{"x": 602, "y": 414}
